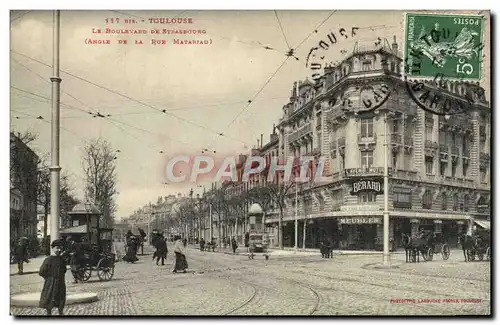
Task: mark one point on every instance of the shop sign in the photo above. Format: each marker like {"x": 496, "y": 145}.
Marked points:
{"x": 360, "y": 221}
{"x": 365, "y": 171}
{"x": 360, "y": 207}
{"x": 367, "y": 185}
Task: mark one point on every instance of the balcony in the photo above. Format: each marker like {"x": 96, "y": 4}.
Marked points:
{"x": 333, "y": 145}
{"x": 482, "y": 131}
{"x": 466, "y": 153}
{"x": 300, "y": 132}
{"x": 365, "y": 139}
{"x": 396, "y": 138}
{"x": 454, "y": 150}
{"x": 484, "y": 156}
{"x": 364, "y": 172}
{"x": 405, "y": 174}
{"x": 443, "y": 148}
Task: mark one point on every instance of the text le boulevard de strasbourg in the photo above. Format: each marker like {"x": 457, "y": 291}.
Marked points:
{"x": 179, "y": 34}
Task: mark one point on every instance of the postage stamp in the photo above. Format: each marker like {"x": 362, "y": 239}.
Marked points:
{"x": 447, "y": 44}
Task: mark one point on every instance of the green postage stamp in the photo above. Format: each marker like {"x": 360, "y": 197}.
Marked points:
{"x": 450, "y": 45}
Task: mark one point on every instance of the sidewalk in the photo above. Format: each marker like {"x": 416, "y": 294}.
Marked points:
{"x": 29, "y": 268}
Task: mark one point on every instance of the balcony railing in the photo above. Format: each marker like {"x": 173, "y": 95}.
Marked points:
{"x": 484, "y": 156}
{"x": 364, "y": 138}
{"x": 405, "y": 174}
{"x": 300, "y": 132}
{"x": 454, "y": 150}
{"x": 396, "y": 138}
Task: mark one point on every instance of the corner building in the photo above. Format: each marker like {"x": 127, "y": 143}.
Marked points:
{"x": 439, "y": 167}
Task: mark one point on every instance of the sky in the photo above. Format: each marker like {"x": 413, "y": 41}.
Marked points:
{"x": 204, "y": 88}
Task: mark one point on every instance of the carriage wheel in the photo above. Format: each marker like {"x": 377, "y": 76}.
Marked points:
{"x": 430, "y": 254}
{"x": 445, "y": 252}
{"x": 105, "y": 269}
{"x": 85, "y": 273}
{"x": 488, "y": 253}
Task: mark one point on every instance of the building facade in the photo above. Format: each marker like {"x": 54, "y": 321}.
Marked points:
{"x": 23, "y": 188}
{"x": 439, "y": 166}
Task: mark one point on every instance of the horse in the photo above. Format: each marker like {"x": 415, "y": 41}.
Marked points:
{"x": 417, "y": 244}
{"x": 326, "y": 249}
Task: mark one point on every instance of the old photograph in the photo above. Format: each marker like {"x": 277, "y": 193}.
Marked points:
{"x": 250, "y": 163}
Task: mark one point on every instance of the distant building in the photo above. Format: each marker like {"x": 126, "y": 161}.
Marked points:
{"x": 23, "y": 188}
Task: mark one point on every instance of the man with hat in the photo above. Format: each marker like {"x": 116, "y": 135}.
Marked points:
{"x": 53, "y": 271}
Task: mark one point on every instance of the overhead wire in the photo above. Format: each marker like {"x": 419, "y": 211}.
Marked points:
{"x": 282, "y": 31}
{"x": 165, "y": 111}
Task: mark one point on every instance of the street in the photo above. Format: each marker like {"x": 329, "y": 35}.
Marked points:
{"x": 225, "y": 284}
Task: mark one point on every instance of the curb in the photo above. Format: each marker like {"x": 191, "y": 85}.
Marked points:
{"x": 32, "y": 299}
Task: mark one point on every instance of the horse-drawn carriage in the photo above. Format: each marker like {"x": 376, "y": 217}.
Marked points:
{"x": 478, "y": 245}
{"x": 96, "y": 244}
{"x": 426, "y": 243}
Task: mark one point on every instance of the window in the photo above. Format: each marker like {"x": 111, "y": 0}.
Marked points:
{"x": 442, "y": 138}
{"x": 366, "y": 159}
{"x": 466, "y": 203}
{"x": 454, "y": 139}
{"x": 464, "y": 144}
{"x": 427, "y": 200}
{"x": 401, "y": 200}
{"x": 444, "y": 201}
{"x": 395, "y": 160}
{"x": 367, "y": 66}
{"x": 465, "y": 167}
{"x": 454, "y": 168}
{"x": 395, "y": 126}
{"x": 428, "y": 131}
{"x": 455, "y": 202}
{"x": 342, "y": 163}
{"x": 442, "y": 168}
{"x": 429, "y": 165}
{"x": 483, "y": 176}
{"x": 367, "y": 127}
{"x": 367, "y": 197}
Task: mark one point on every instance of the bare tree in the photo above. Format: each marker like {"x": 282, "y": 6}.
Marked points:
{"x": 99, "y": 167}
{"x": 278, "y": 193}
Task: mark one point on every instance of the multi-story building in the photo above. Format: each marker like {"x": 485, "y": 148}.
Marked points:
{"x": 439, "y": 166}
{"x": 23, "y": 185}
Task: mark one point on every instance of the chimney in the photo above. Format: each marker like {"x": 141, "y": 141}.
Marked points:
{"x": 394, "y": 46}
{"x": 261, "y": 139}
{"x": 258, "y": 144}
{"x": 294, "y": 89}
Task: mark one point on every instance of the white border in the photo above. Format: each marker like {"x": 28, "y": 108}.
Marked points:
{"x": 183, "y": 5}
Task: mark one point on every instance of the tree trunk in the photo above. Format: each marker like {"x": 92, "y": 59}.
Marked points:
{"x": 280, "y": 229}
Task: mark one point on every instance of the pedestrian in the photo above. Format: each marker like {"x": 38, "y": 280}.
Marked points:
{"x": 21, "y": 255}
{"x": 53, "y": 271}
{"x": 76, "y": 259}
{"x": 179, "y": 251}
{"x": 234, "y": 245}
{"x": 161, "y": 250}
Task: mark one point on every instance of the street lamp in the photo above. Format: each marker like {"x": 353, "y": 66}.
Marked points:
{"x": 387, "y": 259}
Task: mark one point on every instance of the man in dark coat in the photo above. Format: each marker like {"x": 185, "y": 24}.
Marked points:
{"x": 161, "y": 250}
{"x": 76, "y": 259}
{"x": 53, "y": 271}
{"x": 234, "y": 245}
{"x": 21, "y": 254}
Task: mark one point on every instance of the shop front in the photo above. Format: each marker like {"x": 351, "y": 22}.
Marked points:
{"x": 359, "y": 232}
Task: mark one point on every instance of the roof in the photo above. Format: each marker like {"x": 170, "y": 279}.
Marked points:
{"x": 81, "y": 208}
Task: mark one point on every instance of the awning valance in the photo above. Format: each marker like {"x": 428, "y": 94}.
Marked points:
{"x": 483, "y": 224}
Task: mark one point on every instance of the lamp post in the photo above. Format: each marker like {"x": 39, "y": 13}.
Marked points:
{"x": 387, "y": 260}
{"x": 55, "y": 169}
{"x": 296, "y": 215}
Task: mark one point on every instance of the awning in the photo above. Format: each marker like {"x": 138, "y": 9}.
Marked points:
{"x": 483, "y": 224}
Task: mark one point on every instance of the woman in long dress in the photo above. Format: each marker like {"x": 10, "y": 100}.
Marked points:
{"x": 180, "y": 255}
{"x": 53, "y": 270}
